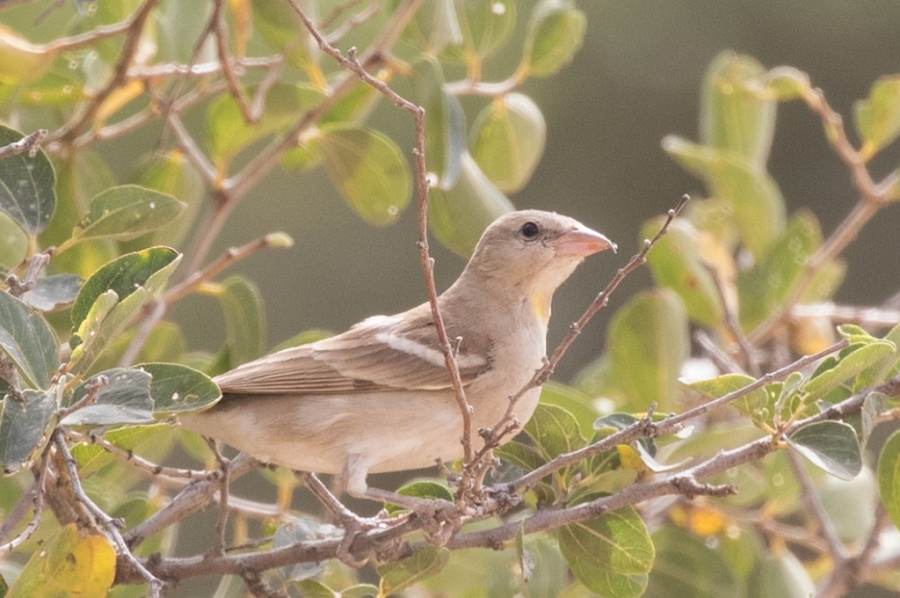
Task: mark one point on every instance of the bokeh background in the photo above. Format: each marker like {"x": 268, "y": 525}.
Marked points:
{"x": 636, "y": 79}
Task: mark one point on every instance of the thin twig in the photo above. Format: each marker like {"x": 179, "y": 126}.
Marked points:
{"x": 30, "y": 143}
{"x": 109, "y": 525}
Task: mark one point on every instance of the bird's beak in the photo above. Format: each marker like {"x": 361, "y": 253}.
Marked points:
{"x": 582, "y": 242}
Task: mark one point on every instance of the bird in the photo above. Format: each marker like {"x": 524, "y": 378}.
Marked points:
{"x": 379, "y": 397}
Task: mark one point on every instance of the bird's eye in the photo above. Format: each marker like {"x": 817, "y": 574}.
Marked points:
{"x": 530, "y": 230}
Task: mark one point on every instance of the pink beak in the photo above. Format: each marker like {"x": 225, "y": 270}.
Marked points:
{"x": 582, "y": 242}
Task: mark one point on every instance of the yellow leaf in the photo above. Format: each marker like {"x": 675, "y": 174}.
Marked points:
{"x": 70, "y": 564}
{"x": 116, "y": 100}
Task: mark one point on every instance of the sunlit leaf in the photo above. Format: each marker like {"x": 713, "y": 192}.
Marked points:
{"x": 889, "y": 477}
{"x": 678, "y": 263}
{"x": 23, "y": 427}
{"x": 829, "y": 445}
{"x": 425, "y": 562}
{"x": 832, "y": 372}
{"x": 734, "y": 115}
{"x": 91, "y": 457}
{"x": 445, "y": 132}
{"x": 70, "y": 564}
{"x": 369, "y": 170}
{"x": 126, "y": 212}
{"x": 877, "y": 118}
{"x": 647, "y": 340}
{"x": 555, "y": 33}
{"x": 459, "y": 215}
{"x": 611, "y": 554}
{"x": 27, "y": 184}
{"x": 28, "y": 341}
{"x": 507, "y": 140}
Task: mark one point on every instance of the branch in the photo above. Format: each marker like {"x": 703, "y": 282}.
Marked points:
{"x": 31, "y": 143}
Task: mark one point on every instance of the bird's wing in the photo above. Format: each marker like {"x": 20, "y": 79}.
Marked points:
{"x": 380, "y": 353}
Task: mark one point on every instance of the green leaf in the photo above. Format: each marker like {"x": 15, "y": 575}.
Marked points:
{"x": 369, "y": 170}
{"x": 54, "y": 291}
{"x": 281, "y": 28}
{"x": 70, "y": 563}
{"x": 445, "y": 123}
{"x": 13, "y": 242}
{"x": 611, "y": 554}
{"x": 485, "y": 27}
{"x": 780, "y": 575}
{"x": 854, "y": 359}
{"x": 425, "y": 489}
{"x": 21, "y": 61}
{"x": 92, "y": 457}
{"x": 889, "y": 476}
{"x": 123, "y": 398}
{"x": 23, "y": 427}
{"x": 126, "y": 212}
{"x": 245, "y": 323}
{"x": 687, "y": 566}
{"x": 877, "y": 118}
{"x": 26, "y": 185}
{"x": 758, "y": 209}
{"x": 173, "y": 174}
{"x": 435, "y": 26}
{"x": 647, "y": 341}
{"x": 123, "y": 276}
{"x": 138, "y": 276}
{"x": 555, "y": 33}
{"x": 229, "y": 133}
{"x": 873, "y": 406}
{"x": 734, "y": 115}
{"x": 27, "y": 339}
{"x": 750, "y": 404}
{"x": 829, "y": 445}
{"x": 507, "y": 140}
{"x": 522, "y": 455}
{"x": 554, "y": 431}
{"x": 303, "y": 530}
{"x": 176, "y": 388}
{"x": 677, "y": 263}
{"x": 397, "y": 575}
{"x": 459, "y": 215}
{"x": 764, "y": 288}
{"x": 578, "y": 403}
{"x": 786, "y": 83}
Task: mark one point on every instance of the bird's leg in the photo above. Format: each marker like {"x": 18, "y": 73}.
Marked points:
{"x": 352, "y": 523}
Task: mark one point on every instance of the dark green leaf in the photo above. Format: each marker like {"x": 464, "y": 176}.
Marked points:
{"x": 23, "y": 427}
{"x": 27, "y": 339}
{"x": 424, "y": 489}
{"x": 877, "y": 117}
{"x": 507, "y": 140}
{"x": 51, "y": 292}
{"x": 245, "y": 323}
{"x": 830, "y": 445}
{"x": 555, "y": 32}
{"x": 687, "y": 566}
{"x": 459, "y": 215}
{"x": 369, "y": 170}
{"x": 734, "y": 115}
{"x": 889, "y": 476}
{"x": 176, "y": 388}
{"x": 648, "y": 341}
{"x": 123, "y": 397}
{"x": 123, "y": 276}
{"x": 126, "y": 212}
{"x": 27, "y": 185}
{"x": 611, "y": 554}
{"x": 677, "y": 263}
{"x": 522, "y": 455}
{"x": 424, "y": 563}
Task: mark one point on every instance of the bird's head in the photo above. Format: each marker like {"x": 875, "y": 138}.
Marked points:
{"x": 531, "y": 253}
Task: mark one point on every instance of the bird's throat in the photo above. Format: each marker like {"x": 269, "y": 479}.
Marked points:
{"x": 540, "y": 303}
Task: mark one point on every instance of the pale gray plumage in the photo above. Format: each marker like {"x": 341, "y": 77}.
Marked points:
{"x": 378, "y": 397}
